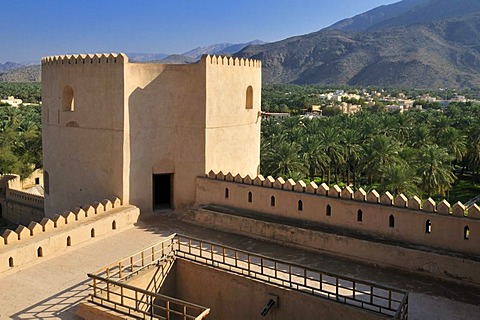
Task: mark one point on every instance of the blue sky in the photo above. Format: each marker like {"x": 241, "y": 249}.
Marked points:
{"x": 30, "y": 29}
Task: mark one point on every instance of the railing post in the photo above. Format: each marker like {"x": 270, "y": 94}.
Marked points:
{"x": 131, "y": 264}
{"x": 290, "y": 275}
{"x": 354, "y": 289}
{"x": 120, "y": 269}
{"x": 153, "y": 254}
{"x": 136, "y": 300}
{"x": 167, "y": 310}
{"x": 151, "y": 308}
{"x": 389, "y": 299}
{"x": 305, "y": 278}
{"x": 336, "y": 287}
{"x": 94, "y": 287}
{"x": 371, "y": 294}
{"x": 143, "y": 260}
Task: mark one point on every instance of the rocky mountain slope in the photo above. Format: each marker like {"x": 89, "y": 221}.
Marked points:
{"x": 222, "y": 48}
{"x": 22, "y": 74}
{"x": 372, "y": 17}
{"x": 442, "y": 50}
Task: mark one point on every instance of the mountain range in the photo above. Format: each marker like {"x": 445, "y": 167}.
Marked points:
{"x": 412, "y": 43}
{"x": 26, "y": 72}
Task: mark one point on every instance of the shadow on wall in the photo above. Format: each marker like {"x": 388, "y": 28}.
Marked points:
{"x": 166, "y": 121}
{"x": 165, "y": 226}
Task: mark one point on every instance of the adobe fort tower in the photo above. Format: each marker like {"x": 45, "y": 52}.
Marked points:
{"x": 143, "y": 132}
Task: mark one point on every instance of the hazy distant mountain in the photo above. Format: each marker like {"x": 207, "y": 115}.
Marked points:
{"x": 222, "y": 48}
{"x": 177, "y": 59}
{"x": 22, "y": 74}
{"x": 9, "y": 66}
{"x": 436, "y": 43}
{"x": 144, "y": 57}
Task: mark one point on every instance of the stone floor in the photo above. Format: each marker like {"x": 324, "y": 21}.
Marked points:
{"x": 51, "y": 288}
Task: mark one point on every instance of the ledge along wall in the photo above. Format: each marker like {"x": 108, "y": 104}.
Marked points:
{"x": 437, "y": 228}
{"x": 50, "y": 237}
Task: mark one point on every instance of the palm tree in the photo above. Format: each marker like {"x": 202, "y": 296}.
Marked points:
{"x": 353, "y": 153}
{"x": 283, "y": 159}
{"x": 330, "y": 144}
{"x": 454, "y": 141}
{"x": 381, "y": 152}
{"x": 312, "y": 155}
{"x": 473, "y": 153}
{"x": 435, "y": 170}
{"x": 400, "y": 178}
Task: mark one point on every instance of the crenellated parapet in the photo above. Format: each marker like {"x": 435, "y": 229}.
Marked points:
{"x": 4, "y": 183}
{"x": 59, "y": 221}
{"x": 49, "y": 237}
{"x": 231, "y": 61}
{"x": 360, "y": 195}
{"x": 386, "y": 199}
{"x": 85, "y": 59}
{"x": 14, "y": 192}
{"x": 426, "y": 223}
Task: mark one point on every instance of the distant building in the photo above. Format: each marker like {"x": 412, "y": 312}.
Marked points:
{"x": 12, "y": 101}
{"x": 349, "y": 108}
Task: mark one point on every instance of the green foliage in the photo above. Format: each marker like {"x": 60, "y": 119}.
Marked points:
{"x": 20, "y": 139}
{"x": 30, "y": 92}
{"x": 411, "y": 153}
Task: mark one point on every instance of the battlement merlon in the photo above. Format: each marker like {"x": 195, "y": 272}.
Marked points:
{"x": 230, "y": 61}
{"x": 85, "y": 59}
{"x": 113, "y": 58}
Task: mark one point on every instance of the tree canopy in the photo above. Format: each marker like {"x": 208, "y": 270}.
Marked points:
{"x": 412, "y": 153}
{"x": 20, "y": 139}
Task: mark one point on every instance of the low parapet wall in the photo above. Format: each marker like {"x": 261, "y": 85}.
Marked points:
{"x": 53, "y": 236}
{"x": 424, "y": 262}
{"x": 19, "y": 206}
{"x": 426, "y": 224}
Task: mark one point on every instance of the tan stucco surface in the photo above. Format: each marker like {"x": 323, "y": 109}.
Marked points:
{"x": 231, "y": 296}
{"x": 55, "y": 285}
{"x": 133, "y": 120}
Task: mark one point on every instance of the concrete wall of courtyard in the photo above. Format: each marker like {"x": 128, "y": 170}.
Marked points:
{"x": 230, "y": 296}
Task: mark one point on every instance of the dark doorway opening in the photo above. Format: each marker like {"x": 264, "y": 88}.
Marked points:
{"x": 162, "y": 191}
